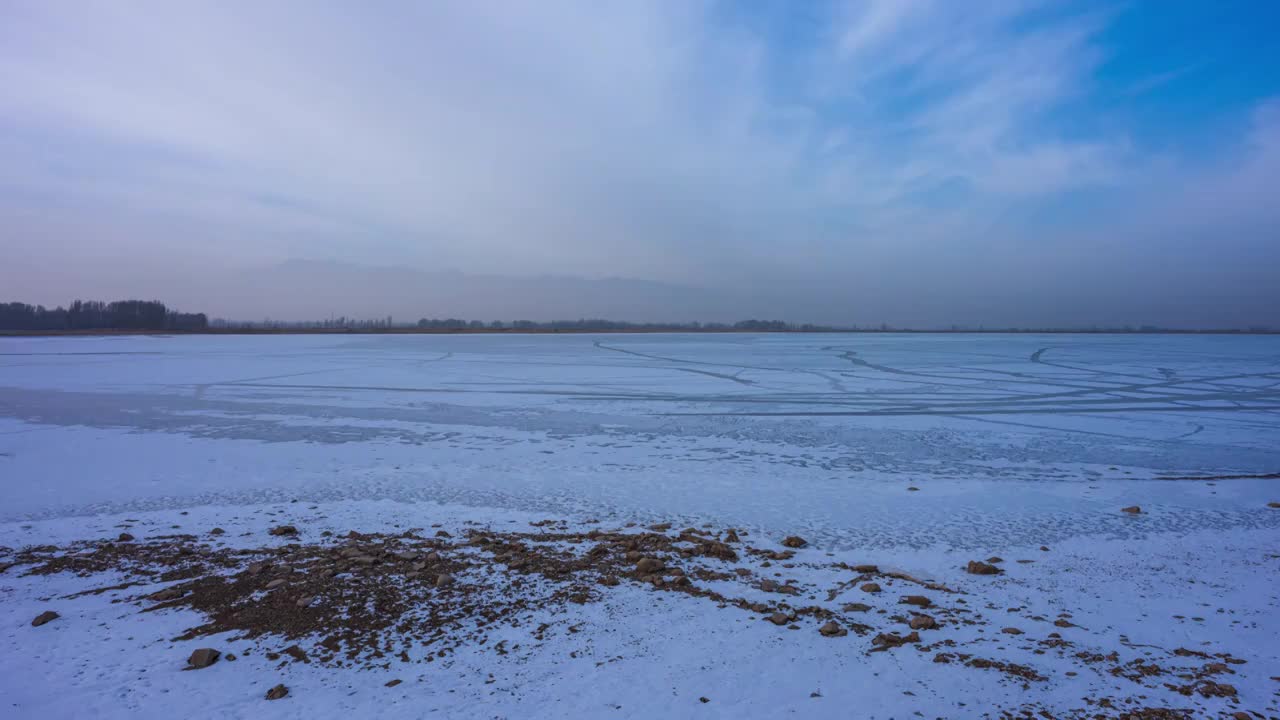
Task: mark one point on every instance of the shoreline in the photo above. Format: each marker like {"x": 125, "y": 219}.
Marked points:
{"x": 601, "y": 331}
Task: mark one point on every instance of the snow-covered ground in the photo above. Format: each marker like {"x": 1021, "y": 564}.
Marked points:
{"x": 912, "y": 452}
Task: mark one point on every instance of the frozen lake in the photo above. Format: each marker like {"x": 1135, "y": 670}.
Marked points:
{"x": 1021, "y": 437}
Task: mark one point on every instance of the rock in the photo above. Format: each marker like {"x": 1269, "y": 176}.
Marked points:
{"x": 976, "y": 567}
{"x": 779, "y": 618}
{"x": 608, "y": 581}
{"x": 649, "y": 566}
{"x": 794, "y": 541}
{"x": 1044, "y": 548}
{"x": 444, "y": 580}
{"x": 1241, "y": 716}
{"x": 229, "y": 657}
{"x": 1132, "y": 510}
{"x": 731, "y": 536}
{"x": 917, "y": 600}
{"x": 393, "y": 683}
{"x": 769, "y": 586}
{"x": 306, "y": 601}
{"x": 866, "y": 568}
{"x": 1273, "y": 504}
{"x": 833, "y": 629}
{"x": 276, "y": 583}
{"x": 202, "y": 658}
{"x": 283, "y": 530}
{"x": 856, "y": 607}
{"x": 1011, "y": 631}
{"x": 922, "y": 622}
{"x": 660, "y": 527}
{"x": 884, "y": 641}
{"x": 277, "y": 692}
{"x": 1063, "y": 623}
{"x": 125, "y": 537}
{"x": 256, "y": 568}
{"x": 742, "y": 572}
{"x": 217, "y": 531}
{"x": 407, "y": 556}
{"x": 704, "y": 699}
{"x": 870, "y": 588}
{"x": 44, "y": 617}
{"x": 995, "y": 559}
{"x": 913, "y": 489}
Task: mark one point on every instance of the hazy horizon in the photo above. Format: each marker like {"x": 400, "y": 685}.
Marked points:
{"x": 912, "y": 162}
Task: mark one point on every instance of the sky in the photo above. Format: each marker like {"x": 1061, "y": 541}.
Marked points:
{"x": 922, "y": 163}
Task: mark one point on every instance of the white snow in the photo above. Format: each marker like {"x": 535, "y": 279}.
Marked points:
{"x": 1014, "y": 441}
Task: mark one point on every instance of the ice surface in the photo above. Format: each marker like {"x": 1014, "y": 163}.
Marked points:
{"x": 1010, "y": 441}
{"x": 1024, "y": 435}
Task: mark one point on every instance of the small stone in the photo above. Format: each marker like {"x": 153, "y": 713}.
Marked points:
{"x": 444, "y": 580}
{"x": 1011, "y": 631}
{"x": 870, "y": 588}
{"x": 884, "y": 641}
{"x": 608, "y": 581}
{"x": 779, "y": 618}
{"x": 1044, "y": 548}
{"x": 276, "y": 583}
{"x": 306, "y": 601}
{"x": 394, "y": 683}
{"x": 995, "y": 559}
{"x": 217, "y": 531}
{"x": 922, "y": 622}
{"x": 229, "y": 657}
{"x": 125, "y": 537}
{"x": 917, "y": 600}
{"x": 283, "y": 530}
{"x": 1273, "y": 504}
{"x": 913, "y": 489}
{"x": 1132, "y": 510}
{"x": 1063, "y": 623}
{"x": 856, "y": 607}
{"x": 44, "y": 617}
{"x": 976, "y": 567}
{"x": 759, "y": 607}
{"x": 833, "y": 629}
{"x": 407, "y": 556}
{"x": 866, "y": 568}
{"x": 731, "y": 536}
{"x": 794, "y": 541}
{"x": 277, "y": 692}
{"x": 649, "y": 566}
{"x": 704, "y": 699}
{"x": 202, "y": 658}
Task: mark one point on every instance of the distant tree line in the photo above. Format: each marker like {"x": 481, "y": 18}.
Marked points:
{"x": 458, "y": 324}
{"x": 96, "y": 315}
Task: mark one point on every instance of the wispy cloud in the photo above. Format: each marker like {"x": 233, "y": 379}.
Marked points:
{"x": 660, "y": 140}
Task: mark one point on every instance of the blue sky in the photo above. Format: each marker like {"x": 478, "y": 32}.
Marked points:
{"x": 919, "y": 162}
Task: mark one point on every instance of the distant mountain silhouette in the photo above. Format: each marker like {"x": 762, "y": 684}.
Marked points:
{"x": 309, "y": 290}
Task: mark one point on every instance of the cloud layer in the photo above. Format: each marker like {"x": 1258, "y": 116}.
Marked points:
{"x": 909, "y": 161}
